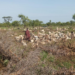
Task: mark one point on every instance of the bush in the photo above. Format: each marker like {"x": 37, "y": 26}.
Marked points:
{"x": 59, "y": 63}
{"x": 51, "y": 59}
{"x": 15, "y": 23}
{"x": 67, "y": 64}
{"x": 73, "y": 60}
{"x": 43, "y": 65}
{"x": 44, "y": 55}
{"x": 5, "y": 62}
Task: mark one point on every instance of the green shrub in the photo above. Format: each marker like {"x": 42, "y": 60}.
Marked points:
{"x": 43, "y": 65}
{"x": 58, "y": 63}
{"x": 73, "y": 60}
{"x": 5, "y": 62}
{"x": 44, "y": 55}
{"x": 51, "y": 59}
{"x": 67, "y": 64}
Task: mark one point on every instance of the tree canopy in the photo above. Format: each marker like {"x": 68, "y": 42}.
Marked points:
{"x": 7, "y": 18}
{"x": 25, "y": 21}
{"x": 73, "y": 17}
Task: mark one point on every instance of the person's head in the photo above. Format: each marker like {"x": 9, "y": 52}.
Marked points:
{"x": 71, "y": 31}
{"x": 27, "y": 28}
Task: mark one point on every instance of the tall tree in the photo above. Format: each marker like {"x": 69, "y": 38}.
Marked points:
{"x": 73, "y": 16}
{"x": 71, "y": 22}
{"x": 24, "y": 19}
{"x": 4, "y": 19}
{"x": 48, "y": 23}
{"x": 68, "y": 23}
{"x": 7, "y": 19}
{"x": 15, "y": 23}
{"x": 37, "y": 22}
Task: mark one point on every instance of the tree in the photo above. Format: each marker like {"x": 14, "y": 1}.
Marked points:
{"x": 15, "y": 23}
{"x": 48, "y": 23}
{"x": 71, "y": 22}
{"x": 36, "y": 23}
{"x": 4, "y": 19}
{"x": 67, "y": 23}
{"x": 73, "y": 17}
{"x": 59, "y": 23}
{"x": 24, "y": 19}
{"x": 31, "y": 23}
{"x": 53, "y": 23}
{"x": 7, "y": 19}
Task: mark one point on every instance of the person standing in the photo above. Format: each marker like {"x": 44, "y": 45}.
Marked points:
{"x": 72, "y": 35}
{"x": 27, "y": 34}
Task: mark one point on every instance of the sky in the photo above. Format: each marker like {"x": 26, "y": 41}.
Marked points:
{"x": 43, "y": 10}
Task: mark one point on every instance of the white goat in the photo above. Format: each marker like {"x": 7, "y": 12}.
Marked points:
{"x": 24, "y": 43}
{"x": 20, "y": 37}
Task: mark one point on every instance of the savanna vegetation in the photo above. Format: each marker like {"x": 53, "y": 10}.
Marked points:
{"x": 25, "y": 21}
{"x": 20, "y": 57}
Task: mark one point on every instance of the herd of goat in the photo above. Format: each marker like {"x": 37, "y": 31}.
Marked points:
{"x": 43, "y": 37}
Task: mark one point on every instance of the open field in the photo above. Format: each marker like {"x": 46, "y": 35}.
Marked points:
{"x": 51, "y": 51}
{"x": 37, "y": 37}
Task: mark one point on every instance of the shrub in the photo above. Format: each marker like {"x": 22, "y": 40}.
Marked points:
{"x": 59, "y": 64}
{"x": 44, "y": 55}
{"x": 51, "y": 59}
{"x": 5, "y": 62}
{"x": 73, "y": 60}
{"x": 43, "y": 65}
{"x": 67, "y": 64}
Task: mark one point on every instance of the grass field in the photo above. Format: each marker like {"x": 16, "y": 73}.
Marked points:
{"x": 43, "y": 60}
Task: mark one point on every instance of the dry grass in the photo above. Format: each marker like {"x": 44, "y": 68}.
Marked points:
{"x": 44, "y": 60}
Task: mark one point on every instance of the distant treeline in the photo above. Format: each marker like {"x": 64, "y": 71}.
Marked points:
{"x": 25, "y": 21}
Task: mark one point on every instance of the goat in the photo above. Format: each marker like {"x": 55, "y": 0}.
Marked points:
{"x": 24, "y": 43}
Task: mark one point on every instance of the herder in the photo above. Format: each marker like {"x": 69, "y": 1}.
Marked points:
{"x": 72, "y": 35}
{"x": 27, "y": 34}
